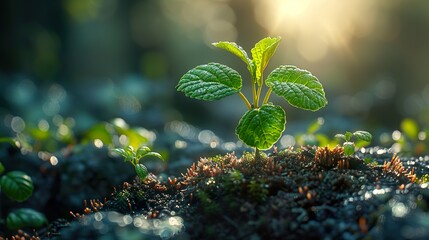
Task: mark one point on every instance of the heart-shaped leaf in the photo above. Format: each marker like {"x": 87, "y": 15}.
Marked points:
{"x": 209, "y": 82}
{"x": 262, "y": 127}
{"x": 363, "y": 135}
{"x": 262, "y": 53}
{"x": 299, "y": 87}
{"x": 155, "y": 154}
{"x": 152, "y": 154}
{"x": 349, "y": 148}
{"x": 25, "y": 217}
{"x": 238, "y": 51}
{"x": 348, "y": 136}
{"x": 141, "y": 171}
{"x": 142, "y": 151}
{"x": 17, "y": 185}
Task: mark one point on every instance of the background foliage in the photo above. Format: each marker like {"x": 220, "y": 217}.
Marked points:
{"x": 74, "y": 63}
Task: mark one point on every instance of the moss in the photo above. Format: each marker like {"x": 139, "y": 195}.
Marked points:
{"x": 258, "y": 190}
{"x": 281, "y": 194}
{"x": 209, "y": 206}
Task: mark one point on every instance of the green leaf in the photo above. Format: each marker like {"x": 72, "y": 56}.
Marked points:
{"x": 299, "y": 87}
{"x": 25, "y": 217}
{"x": 262, "y": 53}
{"x": 235, "y": 49}
{"x": 1, "y": 168}
{"x": 127, "y": 153}
{"x": 120, "y": 151}
{"x": 410, "y": 128}
{"x": 141, "y": 171}
{"x": 238, "y": 51}
{"x": 369, "y": 160}
{"x": 209, "y": 82}
{"x": 155, "y": 154}
{"x": 262, "y": 127}
{"x": 349, "y": 148}
{"x": 348, "y": 136}
{"x": 17, "y": 185}
{"x": 340, "y": 136}
{"x": 363, "y": 135}
{"x": 142, "y": 151}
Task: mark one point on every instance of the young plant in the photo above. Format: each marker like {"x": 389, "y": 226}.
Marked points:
{"x": 263, "y": 123}
{"x": 348, "y": 145}
{"x": 18, "y": 186}
{"x": 134, "y": 157}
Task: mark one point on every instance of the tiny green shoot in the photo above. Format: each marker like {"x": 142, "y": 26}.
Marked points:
{"x": 349, "y": 145}
{"x": 18, "y": 186}
{"x": 134, "y": 156}
{"x": 263, "y": 123}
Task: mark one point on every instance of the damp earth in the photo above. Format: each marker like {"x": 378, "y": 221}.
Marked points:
{"x": 302, "y": 193}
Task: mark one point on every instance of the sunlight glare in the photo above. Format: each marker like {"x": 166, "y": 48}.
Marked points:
{"x": 317, "y": 25}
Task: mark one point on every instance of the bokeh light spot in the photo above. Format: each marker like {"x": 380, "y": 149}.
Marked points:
{"x": 43, "y": 125}
{"x": 396, "y": 135}
{"x": 17, "y": 124}
{"x": 53, "y": 160}
{"x": 98, "y": 143}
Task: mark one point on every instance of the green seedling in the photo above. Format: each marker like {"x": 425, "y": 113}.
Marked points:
{"x": 263, "y": 123}
{"x": 134, "y": 157}
{"x": 350, "y": 146}
{"x": 18, "y": 186}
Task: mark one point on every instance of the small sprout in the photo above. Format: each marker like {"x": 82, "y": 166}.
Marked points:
{"x": 141, "y": 171}
{"x": 349, "y": 148}
{"x": 17, "y": 185}
{"x": 370, "y": 161}
{"x": 134, "y": 157}
{"x": 25, "y": 218}
{"x": 349, "y": 145}
{"x": 263, "y": 123}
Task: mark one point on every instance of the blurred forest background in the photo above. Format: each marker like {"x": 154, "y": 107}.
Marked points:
{"x": 79, "y": 62}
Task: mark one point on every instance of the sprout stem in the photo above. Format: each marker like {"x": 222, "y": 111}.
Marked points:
{"x": 249, "y": 106}
{"x": 255, "y": 99}
{"x": 259, "y": 93}
{"x": 267, "y": 96}
{"x": 257, "y": 154}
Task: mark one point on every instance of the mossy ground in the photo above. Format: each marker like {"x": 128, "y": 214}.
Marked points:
{"x": 294, "y": 194}
{"x": 307, "y": 193}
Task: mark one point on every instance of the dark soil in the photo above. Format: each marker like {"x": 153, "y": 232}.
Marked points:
{"x": 295, "y": 194}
